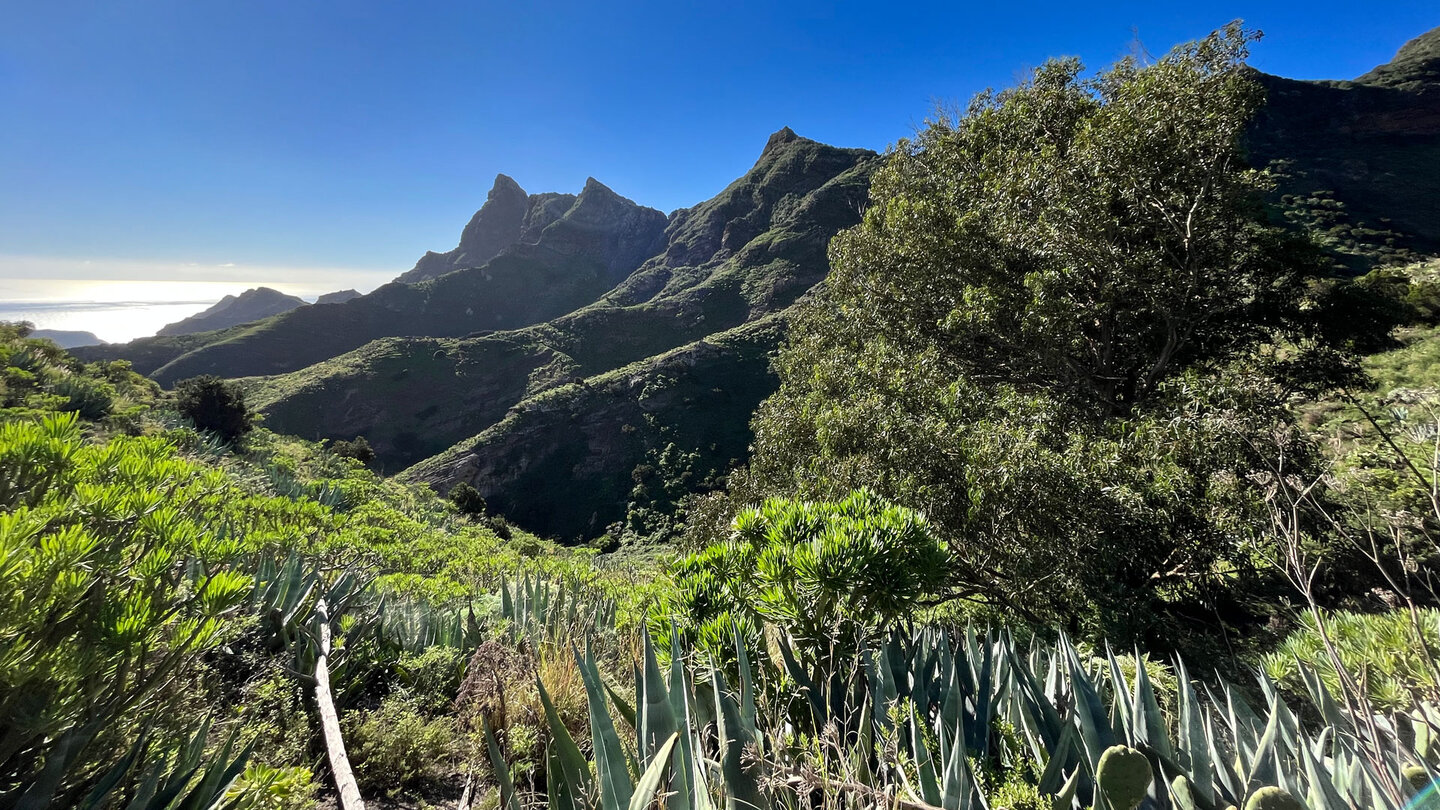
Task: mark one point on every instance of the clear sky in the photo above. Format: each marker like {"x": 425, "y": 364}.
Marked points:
{"x": 188, "y": 138}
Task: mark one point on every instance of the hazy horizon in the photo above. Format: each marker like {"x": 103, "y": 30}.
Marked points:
{"x": 119, "y": 309}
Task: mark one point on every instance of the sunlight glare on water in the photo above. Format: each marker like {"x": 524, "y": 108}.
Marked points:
{"x": 117, "y": 311}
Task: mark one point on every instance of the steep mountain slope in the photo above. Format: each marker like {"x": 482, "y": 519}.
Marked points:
{"x": 233, "y": 310}
{"x": 494, "y": 227}
{"x": 580, "y": 250}
{"x": 1372, "y": 145}
{"x": 699, "y": 317}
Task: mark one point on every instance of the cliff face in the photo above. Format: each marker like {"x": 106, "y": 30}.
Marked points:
{"x": 1372, "y": 145}
{"x": 232, "y": 310}
{"x": 494, "y": 227}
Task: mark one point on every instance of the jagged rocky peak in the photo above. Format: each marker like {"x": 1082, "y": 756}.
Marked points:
{"x": 496, "y": 226}
{"x": 603, "y": 225}
{"x": 783, "y": 136}
{"x": 1415, "y": 67}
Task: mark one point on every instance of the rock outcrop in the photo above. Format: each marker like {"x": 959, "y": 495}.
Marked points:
{"x": 496, "y": 226}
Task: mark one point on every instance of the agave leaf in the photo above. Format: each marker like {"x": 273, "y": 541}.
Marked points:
{"x": 610, "y": 763}
{"x": 1062, "y": 755}
{"x": 1194, "y": 753}
{"x": 1231, "y": 784}
{"x": 1120, "y": 718}
{"x": 501, "y": 769}
{"x": 657, "y": 718}
{"x": 748, "y": 714}
{"x": 1065, "y": 799}
{"x": 627, "y": 712}
{"x": 573, "y": 765}
{"x": 960, "y": 791}
{"x": 1322, "y": 794}
{"x": 742, "y": 790}
{"x": 1095, "y": 729}
{"x": 558, "y": 790}
{"x": 978, "y": 729}
{"x": 654, "y": 774}
{"x": 925, "y": 765}
{"x": 688, "y": 785}
{"x": 1150, "y": 727}
{"x": 1263, "y": 764}
{"x": 802, "y": 680}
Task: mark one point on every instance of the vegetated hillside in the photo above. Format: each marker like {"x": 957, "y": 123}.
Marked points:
{"x": 733, "y": 261}
{"x": 338, "y": 297}
{"x": 590, "y": 245}
{"x": 1370, "y": 147}
{"x": 67, "y": 339}
{"x": 233, "y": 310}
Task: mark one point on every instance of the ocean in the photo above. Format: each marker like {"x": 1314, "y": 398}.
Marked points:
{"x": 118, "y": 311}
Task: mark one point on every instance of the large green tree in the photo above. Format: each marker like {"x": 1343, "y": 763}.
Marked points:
{"x": 1066, "y": 331}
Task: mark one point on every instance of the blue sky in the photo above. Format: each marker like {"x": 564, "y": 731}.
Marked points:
{"x": 274, "y": 137}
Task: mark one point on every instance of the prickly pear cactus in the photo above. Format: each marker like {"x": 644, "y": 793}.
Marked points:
{"x": 1185, "y": 797}
{"x": 1417, "y": 777}
{"x": 1273, "y": 798}
{"x": 1123, "y": 777}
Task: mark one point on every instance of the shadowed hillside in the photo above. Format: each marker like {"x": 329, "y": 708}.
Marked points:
{"x": 598, "y": 240}
{"x": 736, "y": 259}
{"x": 1371, "y": 144}
{"x": 233, "y": 310}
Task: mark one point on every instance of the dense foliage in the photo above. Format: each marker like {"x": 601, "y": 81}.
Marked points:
{"x": 1066, "y": 331}
{"x": 214, "y": 405}
{"x": 828, "y": 575}
{"x": 1065, "y": 375}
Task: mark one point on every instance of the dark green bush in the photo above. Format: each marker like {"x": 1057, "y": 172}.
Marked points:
{"x": 215, "y": 405}
{"x": 357, "y": 448}
{"x": 467, "y": 499}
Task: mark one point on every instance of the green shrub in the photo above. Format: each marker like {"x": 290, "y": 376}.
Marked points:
{"x": 91, "y": 398}
{"x": 432, "y": 678}
{"x": 1384, "y": 651}
{"x": 396, "y": 747}
{"x": 263, "y": 787}
{"x": 828, "y": 573}
{"x": 215, "y": 405}
{"x": 357, "y": 448}
{"x": 467, "y": 499}
{"x": 115, "y": 589}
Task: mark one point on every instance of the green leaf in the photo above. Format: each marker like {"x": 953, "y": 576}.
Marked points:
{"x": 653, "y": 776}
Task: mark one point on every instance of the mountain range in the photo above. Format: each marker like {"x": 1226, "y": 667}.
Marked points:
{"x": 584, "y": 361}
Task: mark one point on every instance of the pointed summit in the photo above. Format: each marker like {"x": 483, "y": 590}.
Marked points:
{"x": 496, "y": 226}
{"x": 504, "y": 184}
{"x": 779, "y": 139}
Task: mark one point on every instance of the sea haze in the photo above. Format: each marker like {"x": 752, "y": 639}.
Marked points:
{"x": 117, "y": 311}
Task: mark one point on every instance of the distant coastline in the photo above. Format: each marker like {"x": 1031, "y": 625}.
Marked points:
{"x": 120, "y": 311}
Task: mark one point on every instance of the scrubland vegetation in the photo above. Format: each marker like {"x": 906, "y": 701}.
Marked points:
{"x": 1087, "y": 485}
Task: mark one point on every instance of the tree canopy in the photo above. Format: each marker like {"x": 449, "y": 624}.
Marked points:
{"x": 1067, "y": 331}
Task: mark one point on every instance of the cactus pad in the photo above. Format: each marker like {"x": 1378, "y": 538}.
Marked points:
{"x": 1273, "y": 798}
{"x": 1123, "y": 777}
